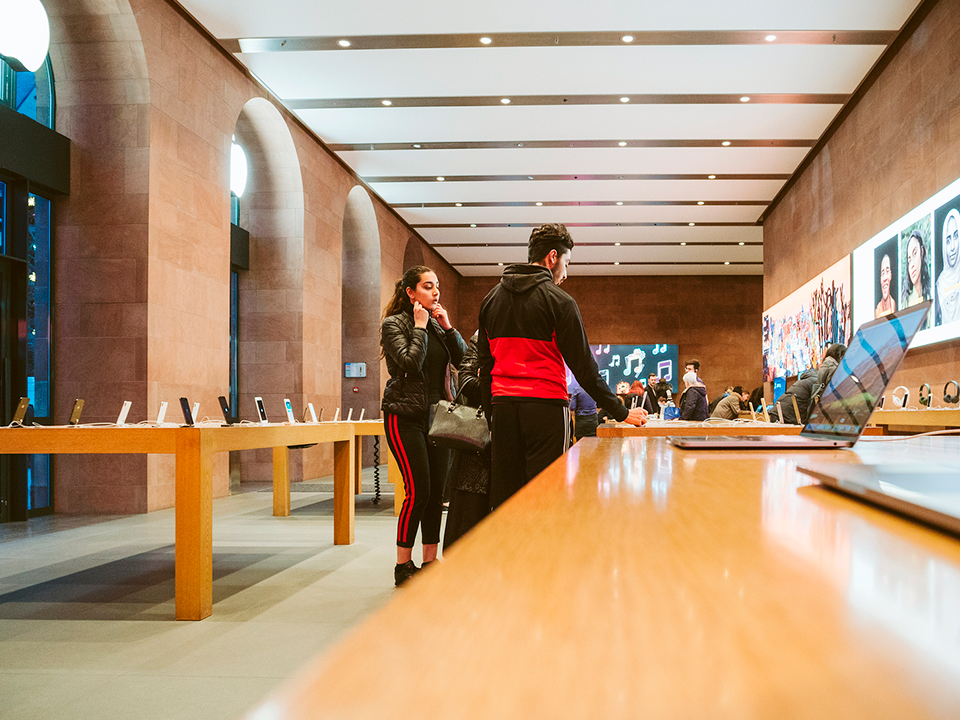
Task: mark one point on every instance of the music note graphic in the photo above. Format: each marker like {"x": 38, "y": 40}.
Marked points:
{"x": 656, "y": 349}
{"x": 637, "y": 355}
{"x": 665, "y": 370}
{"x": 615, "y": 361}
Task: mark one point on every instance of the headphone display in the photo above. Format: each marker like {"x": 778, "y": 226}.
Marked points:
{"x": 926, "y": 398}
{"x": 901, "y": 402}
{"x": 955, "y": 397}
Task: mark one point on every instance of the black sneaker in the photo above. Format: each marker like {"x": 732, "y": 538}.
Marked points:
{"x": 402, "y": 573}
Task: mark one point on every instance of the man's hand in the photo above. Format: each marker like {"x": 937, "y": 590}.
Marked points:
{"x": 637, "y": 416}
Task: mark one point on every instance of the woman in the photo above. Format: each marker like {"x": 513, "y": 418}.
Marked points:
{"x": 828, "y": 366}
{"x": 887, "y": 304}
{"x": 948, "y": 284}
{"x": 418, "y": 343}
{"x": 639, "y": 397}
{"x": 916, "y": 286}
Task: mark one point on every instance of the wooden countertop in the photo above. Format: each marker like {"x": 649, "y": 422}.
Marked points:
{"x": 665, "y": 428}
{"x": 631, "y": 579}
{"x": 917, "y": 419}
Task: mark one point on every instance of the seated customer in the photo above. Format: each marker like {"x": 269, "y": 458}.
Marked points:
{"x": 802, "y": 389}
{"x": 730, "y": 405}
{"x": 693, "y": 402}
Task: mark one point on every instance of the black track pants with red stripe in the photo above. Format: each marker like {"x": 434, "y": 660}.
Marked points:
{"x": 424, "y": 469}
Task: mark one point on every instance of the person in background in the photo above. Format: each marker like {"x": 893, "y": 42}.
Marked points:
{"x": 418, "y": 343}
{"x": 469, "y": 472}
{"x": 693, "y": 402}
{"x": 887, "y": 304}
{"x": 948, "y": 283}
{"x": 731, "y": 404}
{"x": 829, "y": 365}
{"x": 693, "y": 365}
{"x": 716, "y": 401}
{"x": 802, "y": 390}
{"x": 917, "y": 286}
{"x": 585, "y": 412}
{"x": 756, "y": 399}
{"x": 529, "y": 328}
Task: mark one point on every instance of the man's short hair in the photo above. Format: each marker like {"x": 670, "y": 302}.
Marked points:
{"x": 546, "y": 238}
{"x": 695, "y": 363}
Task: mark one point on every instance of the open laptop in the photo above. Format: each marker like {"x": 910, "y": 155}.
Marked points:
{"x": 850, "y": 397}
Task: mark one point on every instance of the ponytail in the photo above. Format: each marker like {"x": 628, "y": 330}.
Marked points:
{"x": 400, "y": 302}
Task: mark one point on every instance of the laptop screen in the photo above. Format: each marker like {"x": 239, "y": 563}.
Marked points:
{"x": 863, "y": 375}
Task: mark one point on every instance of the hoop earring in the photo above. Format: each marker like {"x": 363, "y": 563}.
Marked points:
{"x": 955, "y": 397}
{"x": 901, "y": 402}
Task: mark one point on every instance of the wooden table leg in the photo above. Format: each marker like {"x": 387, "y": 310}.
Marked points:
{"x": 394, "y": 476}
{"x": 358, "y": 463}
{"x": 281, "y": 481}
{"x": 194, "y": 528}
{"x": 343, "y": 485}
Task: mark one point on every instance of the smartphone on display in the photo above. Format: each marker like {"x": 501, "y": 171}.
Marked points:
{"x": 313, "y": 413}
{"x": 75, "y": 413}
{"x": 122, "y": 417}
{"x": 350, "y": 415}
{"x": 289, "y": 408}
{"x": 185, "y": 408}
{"x": 196, "y": 412}
{"x": 336, "y": 415}
{"x": 361, "y": 415}
{"x": 21, "y": 411}
{"x": 261, "y": 411}
{"x": 162, "y": 413}
{"x": 225, "y": 409}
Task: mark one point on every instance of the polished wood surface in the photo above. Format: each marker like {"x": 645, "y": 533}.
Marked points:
{"x": 632, "y": 580}
{"x": 194, "y": 448}
{"x": 917, "y": 420}
{"x": 681, "y": 427}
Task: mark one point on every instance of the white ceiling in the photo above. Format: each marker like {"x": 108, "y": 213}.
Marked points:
{"x": 565, "y": 67}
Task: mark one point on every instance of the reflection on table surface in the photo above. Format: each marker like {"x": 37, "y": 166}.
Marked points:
{"x": 633, "y": 579}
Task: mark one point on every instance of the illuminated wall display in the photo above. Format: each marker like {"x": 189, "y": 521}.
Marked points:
{"x": 626, "y": 363}
{"x": 913, "y": 259}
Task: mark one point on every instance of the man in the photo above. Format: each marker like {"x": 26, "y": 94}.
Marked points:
{"x": 528, "y": 328}
{"x": 730, "y": 405}
{"x": 585, "y": 413}
{"x": 694, "y": 367}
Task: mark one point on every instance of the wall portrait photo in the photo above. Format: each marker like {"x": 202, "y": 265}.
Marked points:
{"x": 946, "y": 229}
{"x": 886, "y": 282}
{"x": 916, "y": 271}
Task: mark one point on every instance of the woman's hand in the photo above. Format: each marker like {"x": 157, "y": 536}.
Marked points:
{"x": 420, "y": 315}
{"x": 440, "y": 315}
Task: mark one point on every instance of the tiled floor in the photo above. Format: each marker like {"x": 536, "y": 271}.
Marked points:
{"x": 87, "y": 625}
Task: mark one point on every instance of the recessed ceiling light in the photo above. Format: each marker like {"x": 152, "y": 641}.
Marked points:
{"x": 770, "y": 38}
{"x": 519, "y": 144}
{"x": 459, "y": 204}
{"x": 682, "y": 244}
{"x": 343, "y": 43}
{"x": 473, "y": 224}
{"x": 711, "y": 177}
{"x": 487, "y": 41}
{"x": 616, "y": 244}
{"x": 387, "y": 102}
{"x": 619, "y": 202}
{"x": 699, "y": 202}
{"x": 739, "y": 243}
{"x": 505, "y": 101}
{"x": 627, "y": 38}
{"x": 691, "y": 224}
{"x": 440, "y": 178}
{"x": 745, "y": 98}
{"x": 500, "y": 264}
{"x": 726, "y": 143}
{"x": 624, "y": 99}
{"x": 616, "y": 263}
{"x": 529, "y": 177}
{"x": 416, "y": 146}
{"x": 539, "y": 204}
{"x": 726, "y": 263}
{"x": 622, "y": 144}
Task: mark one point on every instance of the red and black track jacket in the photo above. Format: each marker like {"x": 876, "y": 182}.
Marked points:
{"x": 528, "y": 328}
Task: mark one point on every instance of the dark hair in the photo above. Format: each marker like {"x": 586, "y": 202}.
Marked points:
{"x": 738, "y": 389}
{"x": 835, "y": 351}
{"x": 400, "y": 302}
{"x": 545, "y": 238}
{"x": 695, "y": 363}
{"x": 756, "y": 397}
{"x": 924, "y": 270}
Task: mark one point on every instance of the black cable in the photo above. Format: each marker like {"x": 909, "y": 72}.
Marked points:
{"x": 376, "y": 469}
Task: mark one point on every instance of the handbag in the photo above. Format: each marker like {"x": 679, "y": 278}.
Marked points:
{"x": 459, "y": 427}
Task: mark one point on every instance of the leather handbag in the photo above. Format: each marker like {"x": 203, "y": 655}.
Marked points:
{"x": 459, "y": 427}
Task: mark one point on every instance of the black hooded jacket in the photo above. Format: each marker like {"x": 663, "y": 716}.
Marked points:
{"x": 529, "y": 328}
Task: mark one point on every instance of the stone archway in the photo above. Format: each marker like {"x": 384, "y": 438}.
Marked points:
{"x": 360, "y": 326}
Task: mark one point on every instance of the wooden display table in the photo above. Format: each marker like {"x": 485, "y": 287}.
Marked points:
{"x": 634, "y": 580}
{"x": 917, "y": 420}
{"x": 681, "y": 427}
{"x": 194, "y": 448}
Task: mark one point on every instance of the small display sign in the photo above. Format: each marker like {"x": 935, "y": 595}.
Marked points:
{"x": 355, "y": 370}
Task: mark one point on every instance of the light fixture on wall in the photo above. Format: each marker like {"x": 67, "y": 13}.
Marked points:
{"x": 24, "y": 34}
{"x": 238, "y": 170}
